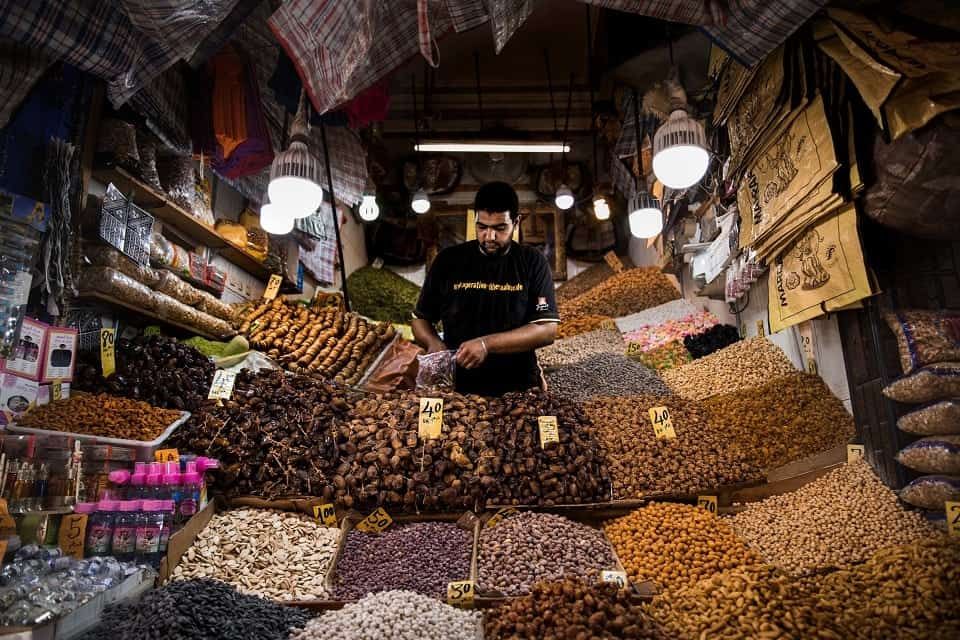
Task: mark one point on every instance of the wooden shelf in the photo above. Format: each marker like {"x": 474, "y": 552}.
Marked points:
{"x": 108, "y": 299}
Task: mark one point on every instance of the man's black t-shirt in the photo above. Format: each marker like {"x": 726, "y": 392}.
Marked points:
{"x": 474, "y": 295}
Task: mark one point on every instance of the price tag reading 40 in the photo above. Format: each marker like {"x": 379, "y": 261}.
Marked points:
{"x": 461, "y": 592}
{"x": 376, "y": 522}
{"x": 326, "y": 514}
{"x": 549, "y": 431}
{"x": 430, "y": 424}
{"x": 618, "y": 578}
{"x": 953, "y": 518}
{"x": 108, "y": 360}
{"x": 662, "y": 423}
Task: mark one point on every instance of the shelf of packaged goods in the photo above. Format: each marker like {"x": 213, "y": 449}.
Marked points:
{"x": 97, "y": 296}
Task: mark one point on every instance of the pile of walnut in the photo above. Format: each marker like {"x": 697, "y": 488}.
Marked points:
{"x": 316, "y": 339}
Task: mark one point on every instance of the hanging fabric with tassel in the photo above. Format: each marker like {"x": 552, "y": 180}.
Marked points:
{"x": 58, "y": 279}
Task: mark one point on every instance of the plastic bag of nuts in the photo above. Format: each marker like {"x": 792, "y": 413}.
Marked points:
{"x": 936, "y": 454}
{"x": 925, "y": 337}
{"x": 437, "y": 371}
{"x": 930, "y": 492}
{"x": 933, "y": 382}
{"x": 936, "y": 419}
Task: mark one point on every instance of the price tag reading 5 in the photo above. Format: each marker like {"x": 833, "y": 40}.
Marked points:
{"x": 430, "y": 424}
{"x": 108, "y": 361}
{"x": 326, "y": 514}
{"x": 708, "y": 502}
{"x": 549, "y": 431}
{"x": 376, "y": 522}
{"x": 618, "y": 578}
{"x": 73, "y": 530}
{"x": 953, "y": 518}
{"x": 662, "y": 423}
{"x": 461, "y": 592}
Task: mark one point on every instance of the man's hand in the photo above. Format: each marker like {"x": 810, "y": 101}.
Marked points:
{"x": 472, "y": 353}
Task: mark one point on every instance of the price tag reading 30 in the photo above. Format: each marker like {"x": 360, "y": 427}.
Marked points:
{"x": 953, "y": 518}
{"x": 549, "y": 431}
{"x": 430, "y": 424}
{"x": 108, "y": 360}
{"x": 461, "y": 592}
{"x": 376, "y": 522}
{"x": 618, "y": 578}
{"x": 662, "y": 423}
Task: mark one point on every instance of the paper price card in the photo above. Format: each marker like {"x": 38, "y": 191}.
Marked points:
{"x": 222, "y": 386}
{"x": 326, "y": 514}
{"x": 273, "y": 287}
{"x": 953, "y": 518}
{"x": 708, "y": 502}
{"x": 430, "y": 424}
{"x": 662, "y": 423}
{"x": 56, "y": 390}
{"x": 73, "y": 530}
{"x": 461, "y": 592}
{"x": 108, "y": 359}
{"x": 760, "y": 329}
{"x": 376, "y": 522}
{"x": 499, "y": 517}
{"x": 609, "y": 325}
{"x": 549, "y": 431}
{"x": 166, "y": 455}
{"x": 855, "y": 452}
{"x": 634, "y": 349}
{"x": 805, "y": 329}
{"x": 618, "y": 578}
{"x": 614, "y": 261}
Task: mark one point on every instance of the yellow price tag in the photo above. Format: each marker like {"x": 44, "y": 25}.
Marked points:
{"x": 461, "y": 592}
{"x": 108, "y": 360}
{"x": 614, "y": 261}
{"x": 618, "y": 578}
{"x": 73, "y": 529}
{"x": 855, "y": 452}
{"x": 634, "y": 349}
{"x": 805, "y": 329}
{"x": 326, "y": 514}
{"x": 166, "y": 455}
{"x": 376, "y": 522}
{"x": 760, "y": 328}
{"x": 56, "y": 390}
{"x": 430, "y": 424}
{"x": 609, "y": 325}
{"x": 708, "y": 502}
{"x": 151, "y": 330}
{"x": 499, "y": 517}
{"x": 662, "y": 423}
{"x": 549, "y": 430}
{"x": 273, "y": 287}
{"x": 953, "y": 518}
{"x": 222, "y": 386}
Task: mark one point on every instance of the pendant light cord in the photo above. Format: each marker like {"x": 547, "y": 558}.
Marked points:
{"x": 637, "y": 135}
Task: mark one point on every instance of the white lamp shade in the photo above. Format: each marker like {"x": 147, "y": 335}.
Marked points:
{"x": 601, "y": 210}
{"x": 564, "y": 197}
{"x": 680, "y": 156}
{"x": 420, "y": 202}
{"x": 369, "y": 209}
{"x": 275, "y": 219}
{"x": 646, "y": 218}
{"x": 300, "y": 196}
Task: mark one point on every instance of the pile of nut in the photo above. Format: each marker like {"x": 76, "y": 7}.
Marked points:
{"x": 156, "y": 369}
{"x": 316, "y": 340}
{"x": 742, "y": 365}
{"x": 275, "y": 437}
{"x": 623, "y": 293}
{"x": 571, "y": 609}
{"x": 640, "y": 464}
{"x": 422, "y": 557}
{"x": 530, "y": 547}
{"x": 102, "y": 415}
{"x": 837, "y": 520}
{"x": 673, "y": 545}
{"x": 603, "y": 374}
{"x": 588, "y": 279}
{"x": 571, "y": 350}
{"x": 272, "y": 554}
{"x": 397, "y": 615}
{"x": 787, "y": 419}
{"x": 575, "y": 325}
{"x": 382, "y": 295}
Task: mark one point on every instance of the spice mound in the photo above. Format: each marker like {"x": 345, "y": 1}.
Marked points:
{"x": 102, "y": 415}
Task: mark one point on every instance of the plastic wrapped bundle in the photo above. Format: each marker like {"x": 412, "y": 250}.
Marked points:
{"x": 118, "y": 285}
{"x": 171, "y": 284}
{"x": 104, "y": 256}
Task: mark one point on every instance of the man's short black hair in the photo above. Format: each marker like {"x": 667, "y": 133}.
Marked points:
{"x": 497, "y": 197}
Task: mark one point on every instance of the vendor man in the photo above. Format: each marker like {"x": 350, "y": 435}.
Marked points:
{"x": 495, "y": 299}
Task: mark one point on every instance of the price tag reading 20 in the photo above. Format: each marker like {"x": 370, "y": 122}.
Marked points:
{"x": 461, "y": 592}
{"x": 953, "y": 518}
{"x": 430, "y": 424}
{"x": 662, "y": 423}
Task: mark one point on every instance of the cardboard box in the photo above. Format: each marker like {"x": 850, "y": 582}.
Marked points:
{"x": 27, "y": 358}
{"x": 17, "y": 395}
{"x": 60, "y": 355}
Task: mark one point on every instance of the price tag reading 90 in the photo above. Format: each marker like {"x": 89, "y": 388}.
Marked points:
{"x": 108, "y": 362}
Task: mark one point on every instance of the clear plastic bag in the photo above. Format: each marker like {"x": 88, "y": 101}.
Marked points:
{"x": 217, "y": 308}
{"x": 925, "y": 337}
{"x": 437, "y": 371}
{"x": 930, "y": 492}
{"x": 161, "y": 251}
{"x": 933, "y": 382}
{"x": 171, "y": 284}
{"x": 103, "y": 256}
{"x": 937, "y": 419}
{"x": 935, "y": 454}
{"x": 118, "y": 285}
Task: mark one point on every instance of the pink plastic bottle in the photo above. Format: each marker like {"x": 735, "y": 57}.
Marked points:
{"x": 149, "y": 531}
{"x": 125, "y": 530}
{"x": 138, "y": 482}
{"x": 155, "y": 489}
{"x": 172, "y": 482}
{"x": 190, "y": 492}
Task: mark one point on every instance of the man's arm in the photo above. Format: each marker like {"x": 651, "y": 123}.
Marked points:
{"x": 426, "y": 336}
{"x": 531, "y": 336}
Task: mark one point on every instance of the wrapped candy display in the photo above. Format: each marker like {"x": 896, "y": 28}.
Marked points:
{"x": 654, "y": 336}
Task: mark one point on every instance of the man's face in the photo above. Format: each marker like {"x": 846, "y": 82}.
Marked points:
{"x": 494, "y": 231}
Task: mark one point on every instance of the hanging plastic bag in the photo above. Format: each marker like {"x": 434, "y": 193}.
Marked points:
{"x": 437, "y": 371}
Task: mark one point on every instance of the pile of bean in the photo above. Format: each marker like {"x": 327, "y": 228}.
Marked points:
{"x": 623, "y": 293}
{"x": 489, "y": 451}
{"x": 530, "y": 547}
{"x": 155, "y": 369}
{"x": 713, "y": 339}
{"x": 674, "y": 545}
{"x": 397, "y": 615}
{"x": 603, "y": 374}
{"x": 673, "y": 310}
{"x": 588, "y": 279}
{"x": 422, "y": 557}
{"x": 742, "y": 365}
{"x": 837, "y": 520}
{"x": 784, "y": 420}
{"x": 383, "y": 295}
{"x": 102, "y": 415}
{"x": 571, "y": 350}
{"x": 574, "y": 325}
{"x": 571, "y": 609}
{"x": 195, "y": 610}
{"x": 272, "y": 554}
{"x": 274, "y": 437}
{"x": 699, "y": 458}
